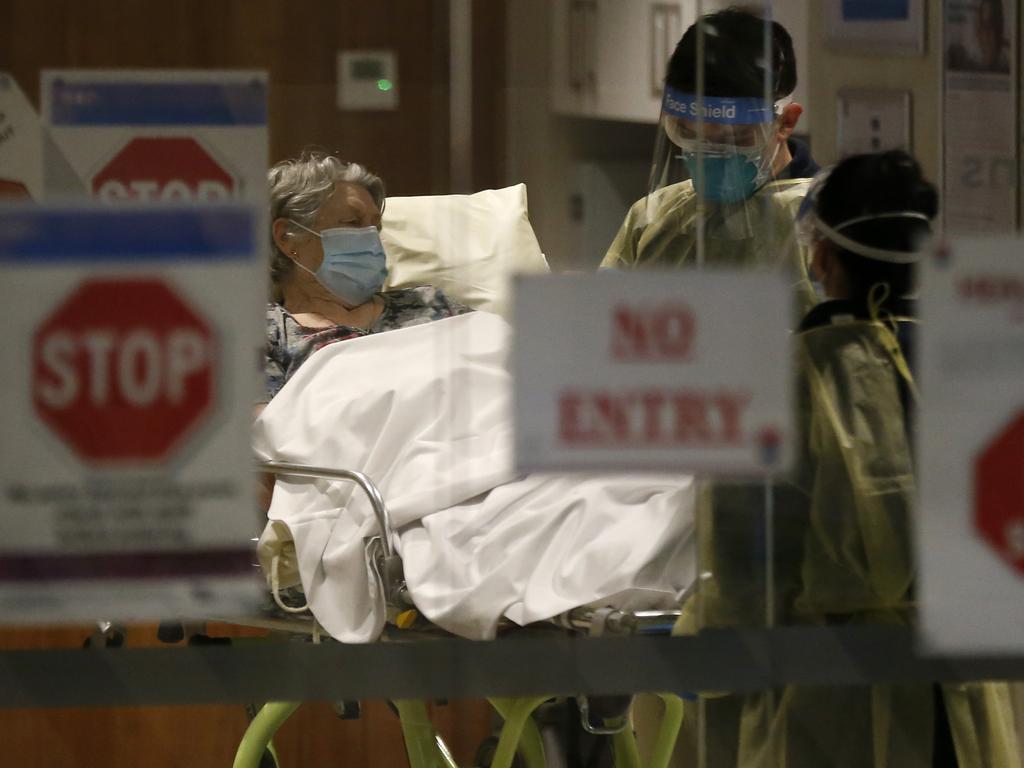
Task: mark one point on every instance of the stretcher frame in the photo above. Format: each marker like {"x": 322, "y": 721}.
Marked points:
{"x": 519, "y": 733}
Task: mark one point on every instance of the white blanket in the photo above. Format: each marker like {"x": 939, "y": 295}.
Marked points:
{"x": 426, "y": 413}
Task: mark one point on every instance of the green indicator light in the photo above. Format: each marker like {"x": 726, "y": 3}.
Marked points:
{"x": 384, "y": 85}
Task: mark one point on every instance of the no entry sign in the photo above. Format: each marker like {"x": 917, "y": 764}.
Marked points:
{"x": 653, "y": 371}
{"x": 126, "y": 481}
{"x": 971, "y": 509}
{"x": 123, "y": 369}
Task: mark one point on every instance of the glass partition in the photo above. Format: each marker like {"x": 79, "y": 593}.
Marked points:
{"x": 511, "y": 383}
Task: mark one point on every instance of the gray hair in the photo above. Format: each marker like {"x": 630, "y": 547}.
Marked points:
{"x": 299, "y": 187}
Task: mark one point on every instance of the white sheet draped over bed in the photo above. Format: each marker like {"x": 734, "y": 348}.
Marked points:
{"x": 425, "y": 412}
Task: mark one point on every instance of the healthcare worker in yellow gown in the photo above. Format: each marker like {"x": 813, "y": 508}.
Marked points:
{"x": 842, "y": 549}
{"x": 727, "y": 177}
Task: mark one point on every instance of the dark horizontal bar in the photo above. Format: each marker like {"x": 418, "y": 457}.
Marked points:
{"x": 57, "y": 236}
{"x": 127, "y": 565}
{"x": 155, "y": 103}
{"x": 513, "y": 666}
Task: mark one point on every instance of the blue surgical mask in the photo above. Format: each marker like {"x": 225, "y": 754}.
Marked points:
{"x": 728, "y": 178}
{"x": 354, "y": 266}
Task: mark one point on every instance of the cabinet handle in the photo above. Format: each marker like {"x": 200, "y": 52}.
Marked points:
{"x": 582, "y": 29}
{"x": 575, "y": 46}
{"x": 591, "y": 44}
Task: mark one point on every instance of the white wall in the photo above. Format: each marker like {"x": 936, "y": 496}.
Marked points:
{"x": 537, "y": 147}
{"x": 794, "y": 16}
{"x": 921, "y": 75}
{"x": 554, "y": 154}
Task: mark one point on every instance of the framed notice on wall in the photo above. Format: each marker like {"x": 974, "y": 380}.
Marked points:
{"x": 980, "y": 116}
{"x": 887, "y": 27}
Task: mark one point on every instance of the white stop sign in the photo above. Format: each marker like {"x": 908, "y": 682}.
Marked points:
{"x": 138, "y": 367}
{"x": 150, "y": 190}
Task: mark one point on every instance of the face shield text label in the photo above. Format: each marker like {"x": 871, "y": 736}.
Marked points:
{"x": 728, "y": 111}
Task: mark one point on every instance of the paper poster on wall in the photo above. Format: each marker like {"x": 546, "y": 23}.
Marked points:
{"x": 653, "y": 371}
{"x": 125, "y": 470}
{"x": 21, "y": 145}
{"x": 876, "y": 10}
{"x": 980, "y": 100}
{"x": 970, "y": 516}
{"x": 136, "y": 136}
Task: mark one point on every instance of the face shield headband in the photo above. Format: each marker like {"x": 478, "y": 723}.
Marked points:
{"x": 729, "y": 151}
{"x": 723, "y": 110}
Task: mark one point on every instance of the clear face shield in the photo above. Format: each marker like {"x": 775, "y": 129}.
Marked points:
{"x": 713, "y": 198}
{"x": 726, "y": 146}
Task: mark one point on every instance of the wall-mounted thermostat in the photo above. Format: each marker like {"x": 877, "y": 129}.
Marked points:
{"x": 367, "y": 80}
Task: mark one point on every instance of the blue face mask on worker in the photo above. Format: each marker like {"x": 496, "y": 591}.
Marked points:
{"x": 354, "y": 266}
{"x": 729, "y": 178}
{"x": 732, "y": 157}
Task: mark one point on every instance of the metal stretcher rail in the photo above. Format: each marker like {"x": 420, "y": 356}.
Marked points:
{"x": 519, "y": 733}
{"x": 599, "y": 621}
{"x": 594, "y": 621}
{"x": 380, "y": 510}
{"x": 391, "y": 570}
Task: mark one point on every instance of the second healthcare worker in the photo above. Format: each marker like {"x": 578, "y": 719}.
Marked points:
{"x": 727, "y": 178}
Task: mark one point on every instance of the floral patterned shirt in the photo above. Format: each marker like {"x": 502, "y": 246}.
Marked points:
{"x": 289, "y": 344}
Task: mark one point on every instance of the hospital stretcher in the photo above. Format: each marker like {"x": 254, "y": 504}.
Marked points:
{"x": 435, "y": 239}
{"x": 479, "y": 240}
{"x": 425, "y": 748}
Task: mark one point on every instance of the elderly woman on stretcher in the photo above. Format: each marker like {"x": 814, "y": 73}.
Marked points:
{"x": 424, "y": 411}
{"x": 328, "y": 265}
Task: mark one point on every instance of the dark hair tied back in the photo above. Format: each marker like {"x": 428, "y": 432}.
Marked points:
{"x": 886, "y": 182}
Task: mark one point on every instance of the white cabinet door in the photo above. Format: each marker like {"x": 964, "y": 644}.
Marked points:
{"x": 573, "y": 56}
{"x": 622, "y": 68}
{"x": 794, "y": 15}
{"x": 609, "y": 56}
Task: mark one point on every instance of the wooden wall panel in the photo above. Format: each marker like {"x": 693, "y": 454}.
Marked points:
{"x": 206, "y": 736}
{"x": 296, "y": 42}
{"x": 489, "y": 93}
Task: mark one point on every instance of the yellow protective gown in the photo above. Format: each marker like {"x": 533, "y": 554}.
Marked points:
{"x": 843, "y": 555}
{"x": 661, "y": 231}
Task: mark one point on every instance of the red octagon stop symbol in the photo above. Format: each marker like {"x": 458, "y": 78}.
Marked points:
{"x": 122, "y": 370}
{"x": 999, "y": 493}
{"x": 171, "y": 168}
{"x": 13, "y": 190}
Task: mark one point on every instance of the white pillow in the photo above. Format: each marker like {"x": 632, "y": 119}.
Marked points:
{"x": 467, "y": 245}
